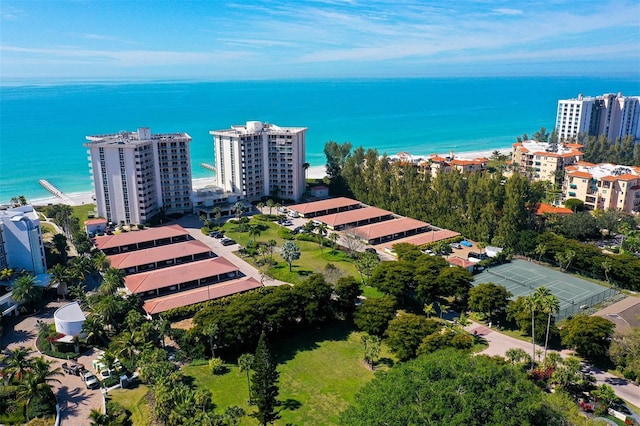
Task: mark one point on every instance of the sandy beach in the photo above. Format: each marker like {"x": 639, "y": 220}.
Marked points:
{"x": 314, "y": 172}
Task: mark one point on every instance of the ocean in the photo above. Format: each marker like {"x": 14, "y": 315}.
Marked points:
{"x": 43, "y": 126}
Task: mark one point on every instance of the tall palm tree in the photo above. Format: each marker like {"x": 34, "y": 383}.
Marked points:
{"x": 532, "y": 303}
{"x": 217, "y": 215}
{"x": 245, "y": 362}
{"x": 550, "y": 305}
{"x": 238, "y": 208}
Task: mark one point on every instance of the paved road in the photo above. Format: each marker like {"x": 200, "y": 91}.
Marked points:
{"x": 71, "y": 392}
{"x": 499, "y": 344}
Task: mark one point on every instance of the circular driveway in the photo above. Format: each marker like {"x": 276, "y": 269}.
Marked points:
{"x": 77, "y": 401}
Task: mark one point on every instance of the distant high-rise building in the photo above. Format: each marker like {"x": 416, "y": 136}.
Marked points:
{"x": 261, "y": 160}
{"x": 613, "y": 116}
{"x": 138, "y": 174}
{"x": 21, "y": 245}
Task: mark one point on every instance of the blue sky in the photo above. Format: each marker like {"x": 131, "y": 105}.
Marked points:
{"x": 265, "y": 39}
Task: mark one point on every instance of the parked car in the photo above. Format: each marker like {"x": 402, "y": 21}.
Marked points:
{"x": 371, "y": 250}
{"x": 466, "y": 243}
{"x": 480, "y": 256}
{"x": 227, "y": 242}
{"x": 286, "y": 223}
{"x": 90, "y": 380}
{"x": 297, "y": 230}
{"x": 456, "y": 245}
{"x": 216, "y": 234}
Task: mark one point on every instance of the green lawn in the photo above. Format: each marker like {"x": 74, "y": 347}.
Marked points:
{"x": 312, "y": 259}
{"x": 135, "y": 401}
{"x": 82, "y": 212}
{"x": 320, "y": 372}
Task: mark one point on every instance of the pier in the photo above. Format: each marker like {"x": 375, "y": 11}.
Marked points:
{"x": 208, "y": 166}
{"x": 55, "y": 191}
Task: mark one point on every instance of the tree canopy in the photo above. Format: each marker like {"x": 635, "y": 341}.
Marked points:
{"x": 450, "y": 387}
{"x": 590, "y": 336}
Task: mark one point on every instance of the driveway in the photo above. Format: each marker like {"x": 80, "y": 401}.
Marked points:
{"x": 499, "y": 344}
{"x": 72, "y": 394}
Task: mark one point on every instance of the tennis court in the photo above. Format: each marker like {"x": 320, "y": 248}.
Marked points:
{"x": 522, "y": 278}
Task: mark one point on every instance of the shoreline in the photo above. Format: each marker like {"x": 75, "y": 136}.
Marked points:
{"x": 314, "y": 172}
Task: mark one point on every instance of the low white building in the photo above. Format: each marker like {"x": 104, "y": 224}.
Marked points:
{"x": 206, "y": 200}
{"x": 69, "y": 319}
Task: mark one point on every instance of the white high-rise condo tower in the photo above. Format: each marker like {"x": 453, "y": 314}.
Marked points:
{"x": 261, "y": 160}
{"x": 614, "y": 116}
{"x": 137, "y": 175}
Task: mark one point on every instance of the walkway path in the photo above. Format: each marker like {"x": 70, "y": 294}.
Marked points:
{"x": 500, "y": 343}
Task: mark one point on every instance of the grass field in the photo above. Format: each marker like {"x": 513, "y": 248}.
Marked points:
{"x": 312, "y": 259}
{"x": 134, "y": 400}
{"x": 320, "y": 372}
{"x": 82, "y": 212}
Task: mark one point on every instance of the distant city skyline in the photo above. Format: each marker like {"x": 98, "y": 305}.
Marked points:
{"x": 316, "y": 39}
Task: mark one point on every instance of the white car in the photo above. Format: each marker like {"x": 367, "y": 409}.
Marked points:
{"x": 90, "y": 380}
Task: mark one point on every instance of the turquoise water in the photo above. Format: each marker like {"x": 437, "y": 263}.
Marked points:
{"x": 43, "y": 127}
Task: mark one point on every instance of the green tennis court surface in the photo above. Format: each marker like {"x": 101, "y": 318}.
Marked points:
{"x": 522, "y": 278}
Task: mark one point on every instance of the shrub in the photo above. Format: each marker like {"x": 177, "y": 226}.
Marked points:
{"x": 216, "y": 365}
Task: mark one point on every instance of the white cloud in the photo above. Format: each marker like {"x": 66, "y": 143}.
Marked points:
{"x": 507, "y": 11}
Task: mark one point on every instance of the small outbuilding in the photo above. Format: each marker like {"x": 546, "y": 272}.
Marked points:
{"x": 69, "y": 319}
{"x": 319, "y": 191}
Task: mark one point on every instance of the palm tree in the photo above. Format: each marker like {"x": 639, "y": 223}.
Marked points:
{"x": 516, "y": 355}
{"x": 550, "y": 305}
{"x": 532, "y": 303}
{"x": 260, "y": 206}
{"x": 113, "y": 279}
{"x": 540, "y": 250}
{"x": 37, "y": 382}
{"x": 322, "y": 229}
{"x": 98, "y": 418}
{"x": 271, "y": 243}
{"x": 100, "y": 261}
{"x": 211, "y": 330}
{"x": 18, "y": 363}
{"x": 238, "y": 208}
{"x": 245, "y": 362}
{"x": 305, "y": 167}
{"x": 290, "y": 252}
{"x": 429, "y": 310}
{"x": 217, "y": 215}
{"x": 333, "y": 237}
{"x": 60, "y": 277}
{"x": 606, "y": 266}
{"x": 254, "y": 231}
{"x": 94, "y": 327}
{"x": 270, "y": 204}
{"x": 25, "y": 290}
{"x": 83, "y": 266}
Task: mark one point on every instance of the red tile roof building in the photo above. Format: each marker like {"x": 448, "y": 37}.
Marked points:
{"x": 168, "y": 269}
{"x": 603, "y": 186}
{"x": 325, "y": 207}
{"x": 541, "y": 161}
{"x": 389, "y": 230}
{"x": 355, "y": 217}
